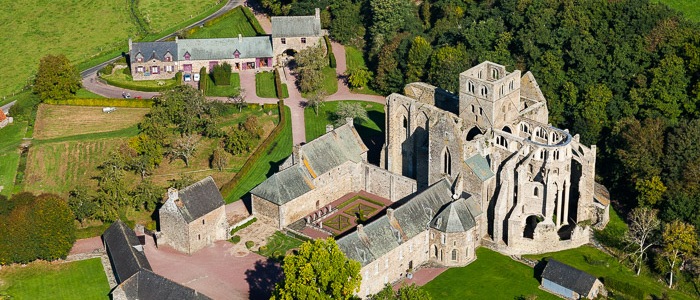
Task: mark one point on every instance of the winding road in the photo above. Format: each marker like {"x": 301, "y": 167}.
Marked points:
{"x": 295, "y": 102}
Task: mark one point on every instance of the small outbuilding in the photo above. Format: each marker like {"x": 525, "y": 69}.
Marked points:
{"x": 569, "y": 282}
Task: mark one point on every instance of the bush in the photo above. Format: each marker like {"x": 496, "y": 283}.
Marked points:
{"x": 331, "y": 57}
{"x": 203, "y": 80}
{"x": 142, "y": 88}
{"x": 262, "y": 248}
{"x": 228, "y": 187}
{"x": 277, "y": 253}
{"x": 269, "y": 106}
{"x": 107, "y": 69}
{"x": 178, "y": 77}
{"x": 625, "y": 288}
{"x": 116, "y": 102}
{"x": 222, "y": 74}
{"x": 278, "y": 85}
{"x": 235, "y": 239}
{"x": 249, "y": 244}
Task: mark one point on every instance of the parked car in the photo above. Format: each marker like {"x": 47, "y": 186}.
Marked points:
{"x": 196, "y": 76}
{"x": 126, "y": 95}
{"x": 188, "y": 77}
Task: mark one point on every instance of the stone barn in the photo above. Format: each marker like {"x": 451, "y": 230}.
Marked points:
{"x": 296, "y": 33}
{"x": 194, "y": 217}
{"x": 569, "y": 282}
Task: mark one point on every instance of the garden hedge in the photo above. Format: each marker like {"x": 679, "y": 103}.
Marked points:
{"x": 228, "y": 187}
{"x": 203, "y": 80}
{"x": 331, "y": 57}
{"x": 253, "y": 21}
{"x": 115, "y": 102}
{"x": 278, "y": 85}
{"x": 142, "y": 88}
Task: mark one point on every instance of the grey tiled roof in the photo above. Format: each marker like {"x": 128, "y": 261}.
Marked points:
{"x": 318, "y": 157}
{"x": 146, "y": 285}
{"x": 479, "y": 166}
{"x": 296, "y": 26}
{"x": 455, "y": 217}
{"x": 199, "y": 199}
{"x": 123, "y": 248}
{"x": 568, "y": 277}
{"x": 215, "y": 49}
{"x": 151, "y": 50}
{"x": 413, "y": 217}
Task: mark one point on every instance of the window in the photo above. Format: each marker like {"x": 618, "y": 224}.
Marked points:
{"x": 481, "y": 111}
{"x": 303, "y": 40}
{"x": 140, "y": 59}
{"x": 139, "y": 69}
{"x": 284, "y": 41}
{"x": 536, "y": 192}
{"x": 470, "y": 86}
{"x": 202, "y": 221}
{"x": 484, "y": 91}
{"x": 510, "y": 85}
{"x": 479, "y": 75}
{"x": 154, "y": 69}
{"x": 446, "y": 162}
{"x": 199, "y": 237}
{"x": 494, "y": 73}
{"x": 168, "y": 58}
{"x": 168, "y": 68}
{"x": 473, "y": 108}
{"x": 442, "y": 238}
{"x": 454, "y": 254}
{"x": 187, "y": 56}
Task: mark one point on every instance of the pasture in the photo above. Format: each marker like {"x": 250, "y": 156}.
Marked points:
{"x": 689, "y": 8}
{"x": 162, "y": 14}
{"x": 54, "y": 121}
{"x": 83, "y": 279}
{"x": 227, "y": 27}
{"x": 9, "y": 155}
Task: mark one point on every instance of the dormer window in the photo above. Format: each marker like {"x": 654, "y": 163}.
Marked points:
{"x": 237, "y": 54}
{"x": 187, "y": 56}
{"x": 139, "y": 57}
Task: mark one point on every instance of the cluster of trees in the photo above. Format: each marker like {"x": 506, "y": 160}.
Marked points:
{"x": 35, "y": 227}
{"x": 244, "y": 136}
{"x": 56, "y": 78}
{"x": 310, "y": 63}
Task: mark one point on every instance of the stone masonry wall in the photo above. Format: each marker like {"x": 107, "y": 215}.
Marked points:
{"x": 386, "y": 184}
{"x": 163, "y": 74}
{"x": 295, "y": 44}
{"x": 173, "y": 227}
{"x": 262, "y": 207}
{"x": 208, "y": 229}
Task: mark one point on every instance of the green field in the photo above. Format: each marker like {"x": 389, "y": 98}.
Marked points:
{"x": 599, "y": 264}
{"x": 225, "y": 90}
{"x": 354, "y": 59}
{"x": 118, "y": 78}
{"x": 689, "y": 8}
{"x": 491, "y": 276}
{"x": 161, "y": 14}
{"x": 230, "y": 26}
{"x": 55, "y": 121}
{"x": 9, "y": 155}
{"x": 83, "y": 279}
{"x": 277, "y": 152}
{"x": 265, "y": 85}
{"x": 278, "y": 244}
{"x": 316, "y": 125}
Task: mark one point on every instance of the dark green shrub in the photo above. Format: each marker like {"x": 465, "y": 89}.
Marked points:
{"x": 331, "y": 57}
{"x": 235, "y": 239}
{"x": 222, "y": 74}
{"x": 278, "y": 85}
{"x": 203, "y": 80}
{"x": 249, "y": 244}
{"x": 246, "y": 224}
{"x": 178, "y": 77}
{"x": 107, "y": 69}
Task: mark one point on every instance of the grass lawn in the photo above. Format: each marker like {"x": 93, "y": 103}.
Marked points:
{"x": 78, "y": 29}
{"x": 329, "y": 84}
{"x": 162, "y": 14}
{"x": 53, "y": 121}
{"x": 118, "y": 78}
{"x": 278, "y": 244}
{"x": 599, "y": 264}
{"x": 225, "y": 90}
{"x": 265, "y": 85}
{"x": 9, "y": 155}
{"x": 83, "y": 93}
{"x": 689, "y": 8}
{"x": 316, "y": 125}
{"x": 491, "y": 276}
{"x": 267, "y": 165}
{"x": 355, "y": 59}
{"x": 230, "y": 26}
{"x": 83, "y": 279}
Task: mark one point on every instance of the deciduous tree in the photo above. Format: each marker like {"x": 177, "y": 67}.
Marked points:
{"x": 406, "y": 292}
{"x": 642, "y": 233}
{"x": 184, "y": 148}
{"x": 56, "y": 78}
{"x": 679, "y": 243}
{"x": 358, "y": 77}
{"x": 417, "y": 61}
{"x": 319, "y": 270}
{"x": 346, "y": 110}
{"x": 317, "y": 100}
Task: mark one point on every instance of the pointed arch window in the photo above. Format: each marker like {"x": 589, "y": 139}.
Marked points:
{"x": 536, "y": 192}
{"x": 446, "y": 162}
{"x": 454, "y": 254}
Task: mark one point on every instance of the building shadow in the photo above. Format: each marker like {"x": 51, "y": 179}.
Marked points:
{"x": 263, "y": 277}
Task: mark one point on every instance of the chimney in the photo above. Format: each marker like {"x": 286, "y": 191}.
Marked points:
{"x": 240, "y": 38}
{"x": 173, "y": 194}
{"x": 390, "y": 214}
{"x": 130, "y": 44}
{"x": 176, "y": 39}
{"x": 329, "y": 128}
{"x": 318, "y": 13}
{"x": 349, "y": 121}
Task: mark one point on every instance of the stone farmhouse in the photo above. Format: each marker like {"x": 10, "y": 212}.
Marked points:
{"x": 193, "y": 218}
{"x": 162, "y": 60}
{"x": 482, "y": 167}
{"x": 135, "y": 278}
{"x": 569, "y": 282}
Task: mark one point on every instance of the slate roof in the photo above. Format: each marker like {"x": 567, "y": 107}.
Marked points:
{"x": 295, "y": 26}
{"x": 568, "y": 277}
{"x": 480, "y": 166}
{"x": 412, "y": 218}
{"x": 317, "y": 157}
{"x": 215, "y": 49}
{"x": 455, "y": 217}
{"x": 151, "y": 50}
{"x": 146, "y": 285}
{"x": 123, "y": 249}
{"x": 199, "y": 199}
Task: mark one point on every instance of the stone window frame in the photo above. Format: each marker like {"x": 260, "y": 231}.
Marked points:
{"x": 303, "y": 40}
{"x": 454, "y": 254}
{"x": 283, "y": 41}
{"x": 139, "y": 69}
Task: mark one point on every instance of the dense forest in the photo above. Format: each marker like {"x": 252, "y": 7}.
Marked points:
{"x": 625, "y": 75}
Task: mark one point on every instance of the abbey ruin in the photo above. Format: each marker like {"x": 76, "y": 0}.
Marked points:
{"x": 482, "y": 167}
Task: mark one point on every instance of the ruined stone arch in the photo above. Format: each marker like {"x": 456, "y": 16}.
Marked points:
{"x": 530, "y": 225}
{"x": 473, "y": 133}
{"x": 507, "y": 129}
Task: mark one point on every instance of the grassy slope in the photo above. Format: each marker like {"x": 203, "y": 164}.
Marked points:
{"x": 83, "y": 279}
{"x": 491, "y": 276}
{"x": 9, "y": 155}
{"x": 234, "y": 24}
{"x": 278, "y": 151}
{"x": 689, "y": 8}
{"x": 36, "y": 28}
{"x": 55, "y": 121}
{"x": 611, "y": 268}
{"x": 265, "y": 85}
{"x": 161, "y": 14}
{"x": 316, "y": 125}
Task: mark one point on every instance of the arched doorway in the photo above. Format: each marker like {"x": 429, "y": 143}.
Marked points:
{"x": 530, "y": 225}
{"x": 473, "y": 133}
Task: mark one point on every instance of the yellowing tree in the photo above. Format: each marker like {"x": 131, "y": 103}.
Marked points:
{"x": 679, "y": 244}
{"x": 319, "y": 271}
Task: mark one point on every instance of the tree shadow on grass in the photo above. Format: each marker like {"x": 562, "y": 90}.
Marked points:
{"x": 263, "y": 277}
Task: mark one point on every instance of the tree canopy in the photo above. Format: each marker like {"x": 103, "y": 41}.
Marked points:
{"x": 56, "y": 78}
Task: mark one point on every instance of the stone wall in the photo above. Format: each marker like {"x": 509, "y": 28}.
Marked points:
{"x": 208, "y": 229}
{"x": 173, "y": 227}
{"x": 386, "y": 184}
{"x": 294, "y": 43}
{"x": 162, "y": 66}
{"x": 262, "y": 207}
{"x": 442, "y": 245}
